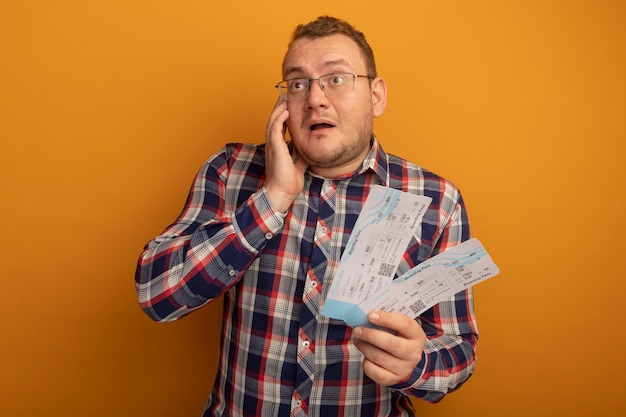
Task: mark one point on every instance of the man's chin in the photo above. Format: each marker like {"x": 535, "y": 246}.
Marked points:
{"x": 319, "y": 159}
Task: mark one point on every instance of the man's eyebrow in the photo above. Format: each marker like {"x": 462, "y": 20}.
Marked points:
{"x": 298, "y": 70}
{"x": 291, "y": 70}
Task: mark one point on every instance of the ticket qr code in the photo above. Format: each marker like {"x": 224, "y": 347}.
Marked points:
{"x": 417, "y": 306}
{"x": 386, "y": 270}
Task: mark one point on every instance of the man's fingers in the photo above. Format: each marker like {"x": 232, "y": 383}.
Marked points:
{"x": 399, "y": 324}
{"x": 391, "y": 351}
{"x": 276, "y": 122}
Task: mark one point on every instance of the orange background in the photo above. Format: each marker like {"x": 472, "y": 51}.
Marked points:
{"x": 108, "y": 108}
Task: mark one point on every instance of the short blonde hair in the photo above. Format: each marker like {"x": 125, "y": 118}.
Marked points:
{"x": 328, "y": 25}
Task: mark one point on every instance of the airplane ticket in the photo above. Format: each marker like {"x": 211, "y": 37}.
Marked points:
{"x": 429, "y": 283}
{"x": 387, "y": 222}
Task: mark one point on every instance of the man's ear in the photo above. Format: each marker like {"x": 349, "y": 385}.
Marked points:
{"x": 379, "y": 96}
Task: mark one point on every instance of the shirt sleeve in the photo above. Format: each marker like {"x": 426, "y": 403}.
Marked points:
{"x": 208, "y": 248}
{"x": 449, "y": 357}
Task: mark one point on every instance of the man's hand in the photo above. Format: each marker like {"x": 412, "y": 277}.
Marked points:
{"x": 390, "y": 357}
{"x": 284, "y": 173}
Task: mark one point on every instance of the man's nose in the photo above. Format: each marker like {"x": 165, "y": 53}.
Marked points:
{"x": 316, "y": 93}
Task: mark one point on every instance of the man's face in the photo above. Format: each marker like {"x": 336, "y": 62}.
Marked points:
{"x": 332, "y": 134}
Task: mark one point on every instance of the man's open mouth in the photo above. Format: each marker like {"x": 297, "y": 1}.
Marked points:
{"x": 320, "y": 126}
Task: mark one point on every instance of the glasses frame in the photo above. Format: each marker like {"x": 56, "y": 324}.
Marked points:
{"x": 285, "y": 96}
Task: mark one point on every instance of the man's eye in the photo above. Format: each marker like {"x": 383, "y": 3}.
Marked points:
{"x": 298, "y": 85}
{"x": 336, "y": 80}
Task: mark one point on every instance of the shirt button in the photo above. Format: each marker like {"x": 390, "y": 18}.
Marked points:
{"x": 306, "y": 344}
{"x": 313, "y": 284}
{"x": 269, "y": 235}
{"x": 298, "y": 403}
{"x": 232, "y": 272}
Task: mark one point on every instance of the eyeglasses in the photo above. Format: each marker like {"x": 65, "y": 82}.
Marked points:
{"x": 332, "y": 85}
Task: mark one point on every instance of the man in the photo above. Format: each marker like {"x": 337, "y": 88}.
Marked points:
{"x": 266, "y": 225}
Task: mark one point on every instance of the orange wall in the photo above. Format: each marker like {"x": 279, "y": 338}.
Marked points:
{"x": 108, "y": 108}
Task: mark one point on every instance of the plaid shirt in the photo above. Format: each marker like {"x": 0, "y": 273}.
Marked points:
{"x": 279, "y": 355}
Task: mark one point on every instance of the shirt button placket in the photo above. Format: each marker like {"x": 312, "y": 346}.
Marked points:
{"x": 296, "y": 406}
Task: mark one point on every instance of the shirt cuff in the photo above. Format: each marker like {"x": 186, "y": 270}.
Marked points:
{"x": 415, "y": 378}
{"x": 257, "y": 222}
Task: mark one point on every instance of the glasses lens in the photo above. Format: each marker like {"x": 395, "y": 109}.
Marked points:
{"x": 335, "y": 82}
{"x": 331, "y": 84}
